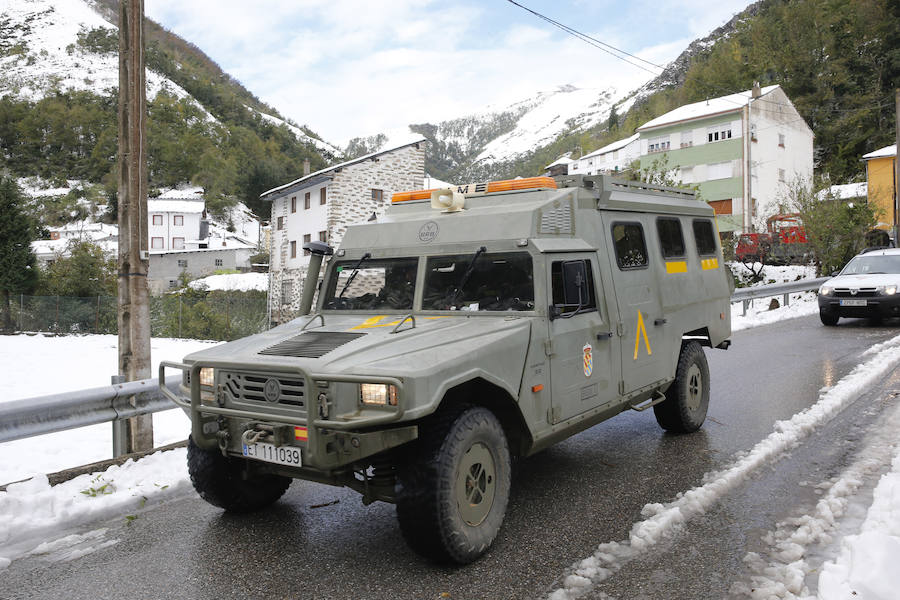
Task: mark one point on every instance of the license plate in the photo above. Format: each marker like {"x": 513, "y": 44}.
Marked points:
{"x": 860, "y": 302}
{"x": 283, "y": 455}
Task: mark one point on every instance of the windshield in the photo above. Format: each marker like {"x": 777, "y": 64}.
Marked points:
{"x": 876, "y": 263}
{"x": 501, "y": 281}
{"x": 386, "y": 283}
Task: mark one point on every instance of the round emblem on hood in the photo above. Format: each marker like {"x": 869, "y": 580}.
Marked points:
{"x": 428, "y": 232}
{"x": 272, "y": 390}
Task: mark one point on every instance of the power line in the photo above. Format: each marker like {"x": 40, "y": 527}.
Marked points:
{"x": 608, "y": 48}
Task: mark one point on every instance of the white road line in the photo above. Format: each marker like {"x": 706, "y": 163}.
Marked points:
{"x": 663, "y": 520}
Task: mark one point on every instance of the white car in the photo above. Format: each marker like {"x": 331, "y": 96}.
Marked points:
{"x": 865, "y": 288}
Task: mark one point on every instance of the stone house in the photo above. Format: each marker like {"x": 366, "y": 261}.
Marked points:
{"x": 742, "y": 150}
{"x": 320, "y": 205}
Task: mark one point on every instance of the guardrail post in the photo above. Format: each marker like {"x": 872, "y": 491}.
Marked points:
{"x": 119, "y": 427}
{"x": 787, "y": 299}
{"x": 746, "y": 304}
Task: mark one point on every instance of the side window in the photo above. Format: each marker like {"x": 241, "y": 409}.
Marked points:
{"x": 704, "y": 236}
{"x": 671, "y": 240}
{"x": 631, "y": 250}
{"x": 573, "y": 287}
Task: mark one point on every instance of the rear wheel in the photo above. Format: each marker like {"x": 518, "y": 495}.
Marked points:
{"x": 455, "y": 489}
{"x": 220, "y": 481}
{"x": 828, "y": 319}
{"x": 687, "y": 399}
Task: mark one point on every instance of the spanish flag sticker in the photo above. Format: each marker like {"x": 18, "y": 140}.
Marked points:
{"x": 300, "y": 433}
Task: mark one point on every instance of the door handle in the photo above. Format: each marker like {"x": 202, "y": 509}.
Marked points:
{"x": 659, "y": 322}
{"x": 605, "y": 336}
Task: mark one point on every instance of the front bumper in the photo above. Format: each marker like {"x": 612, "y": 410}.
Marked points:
{"x": 218, "y": 418}
{"x": 880, "y": 306}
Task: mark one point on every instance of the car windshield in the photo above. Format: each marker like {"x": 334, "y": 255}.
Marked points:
{"x": 479, "y": 281}
{"x": 384, "y": 284}
{"x": 874, "y": 263}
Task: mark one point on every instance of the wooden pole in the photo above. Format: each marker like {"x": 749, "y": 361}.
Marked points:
{"x": 134, "y": 296}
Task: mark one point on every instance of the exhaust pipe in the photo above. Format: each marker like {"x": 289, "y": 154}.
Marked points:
{"x": 318, "y": 251}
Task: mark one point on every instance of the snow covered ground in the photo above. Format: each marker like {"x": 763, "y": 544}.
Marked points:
{"x": 39, "y": 519}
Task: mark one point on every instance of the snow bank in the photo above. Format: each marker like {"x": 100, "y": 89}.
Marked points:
{"x": 663, "y": 520}
{"x": 233, "y": 282}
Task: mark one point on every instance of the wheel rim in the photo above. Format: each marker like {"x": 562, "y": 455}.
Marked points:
{"x": 476, "y": 484}
{"x": 694, "y": 387}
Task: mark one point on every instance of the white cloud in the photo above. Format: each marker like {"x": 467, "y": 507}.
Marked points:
{"x": 348, "y": 68}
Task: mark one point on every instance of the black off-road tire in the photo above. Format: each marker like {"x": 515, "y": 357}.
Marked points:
{"x": 455, "y": 487}
{"x": 828, "y": 319}
{"x": 687, "y": 399}
{"x": 218, "y": 480}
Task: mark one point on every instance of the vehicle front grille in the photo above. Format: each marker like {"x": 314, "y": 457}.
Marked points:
{"x": 860, "y": 293}
{"x": 311, "y": 344}
{"x": 246, "y": 387}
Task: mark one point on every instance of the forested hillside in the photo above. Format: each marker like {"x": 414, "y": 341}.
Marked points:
{"x": 838, "y": 61}
{"x": 218, "y": 136}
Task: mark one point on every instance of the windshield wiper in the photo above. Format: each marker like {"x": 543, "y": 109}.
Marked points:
{"x": 466, "y": 275}
{"x": 364, "y": 258}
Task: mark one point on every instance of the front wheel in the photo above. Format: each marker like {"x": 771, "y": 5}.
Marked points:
{"x": 687, "y": 399}
{"x": 219, "y": 480}
{"x": 828, "y": 319}
{"x": 455, "y": 489}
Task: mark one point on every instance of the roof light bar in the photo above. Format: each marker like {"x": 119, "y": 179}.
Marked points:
{"x": 479, "y": 189}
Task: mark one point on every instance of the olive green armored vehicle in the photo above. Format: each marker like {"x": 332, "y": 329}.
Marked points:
{"x": 465, "y": 328}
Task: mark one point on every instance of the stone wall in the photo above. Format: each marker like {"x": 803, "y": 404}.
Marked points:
{"x": 349, "y": 201}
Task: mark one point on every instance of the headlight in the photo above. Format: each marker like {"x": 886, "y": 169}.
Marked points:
{"x": 206, "y": 377}
{"x": 378, "y": 394}
{"x": 825, "y": 290}
{"x": 889, "y": 290}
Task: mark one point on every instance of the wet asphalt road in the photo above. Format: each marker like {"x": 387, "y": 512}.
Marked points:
{"x": 565, "y": 501}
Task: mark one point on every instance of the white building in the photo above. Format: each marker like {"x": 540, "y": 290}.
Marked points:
{"x": 742, "y": 150}
{"x": 608, "y": 160}
{"x": 173, "y": 219}
{"x": 320, "y": 205}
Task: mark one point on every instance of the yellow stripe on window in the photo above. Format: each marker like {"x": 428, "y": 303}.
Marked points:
{"x": 709, "y": 263}
{"x": 676, "y": 266}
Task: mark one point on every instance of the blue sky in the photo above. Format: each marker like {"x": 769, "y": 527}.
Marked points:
{"x": 349, "y": 68}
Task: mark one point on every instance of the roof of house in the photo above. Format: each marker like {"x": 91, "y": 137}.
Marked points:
{"x": 705, "y": 108}
{"x": 613, "y": 147}
{"x": 846, "y": 191}
{"x": 562, "y": 160}
{"x": 175, "y": 205}
{"x": 320, "y": 174}
{"x": 882, "y": 152}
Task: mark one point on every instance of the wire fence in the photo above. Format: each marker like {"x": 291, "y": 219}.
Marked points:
{"x": 215, "y": 315}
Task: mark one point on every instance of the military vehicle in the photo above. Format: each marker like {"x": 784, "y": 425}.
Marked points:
{"x": 463, "y": 329}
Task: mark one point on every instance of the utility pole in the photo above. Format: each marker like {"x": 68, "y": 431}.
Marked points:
{"x": 897, "y": 167}
{"x": 134, "y": 295}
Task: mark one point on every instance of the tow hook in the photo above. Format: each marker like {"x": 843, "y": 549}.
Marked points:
{"x": 280, "y": 435}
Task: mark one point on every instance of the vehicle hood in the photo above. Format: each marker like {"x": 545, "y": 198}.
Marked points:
{"x": 364, "y": 344}
{"x": 869, "y": 280}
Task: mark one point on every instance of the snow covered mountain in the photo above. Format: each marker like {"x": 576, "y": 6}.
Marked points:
{"x": 71, "y": 45}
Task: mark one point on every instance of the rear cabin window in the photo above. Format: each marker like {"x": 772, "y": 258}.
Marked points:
{"x": 479, "y": 282}
{"x": 671, "y": 240}
{"x": 705, "y": 238}
{"x": 573, "y": 286}
{"x": 631, "y": 250}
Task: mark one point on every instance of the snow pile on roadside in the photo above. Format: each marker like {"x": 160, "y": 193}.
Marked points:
{"x": 233, "y": 282}
{"x": 663, "y": 520}
{"x": 33, "y": 514}
{"x": 758, "y": 313}
{"x": 866, "y": 567}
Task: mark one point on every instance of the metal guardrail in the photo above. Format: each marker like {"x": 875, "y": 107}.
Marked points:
{"x": 21, "y": 419}
{"x": 746, "y": 295}
{"x": 29, "y": 417}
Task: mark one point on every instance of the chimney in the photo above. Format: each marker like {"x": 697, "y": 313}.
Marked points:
{"x": 305, "y": 167}
{"x": 755, "y": 92}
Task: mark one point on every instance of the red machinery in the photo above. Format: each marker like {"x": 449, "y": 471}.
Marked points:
{"x": 783, "y": 243}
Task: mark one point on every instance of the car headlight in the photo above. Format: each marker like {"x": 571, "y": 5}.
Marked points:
{"x": 206, "y": 377}
{"x": 826, "y": 290}
{"x": 378, "y": 394}
{"x": 889, "y": 290}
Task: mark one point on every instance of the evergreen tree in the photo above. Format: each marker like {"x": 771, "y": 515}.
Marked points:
{"x": 17, "y": 262}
